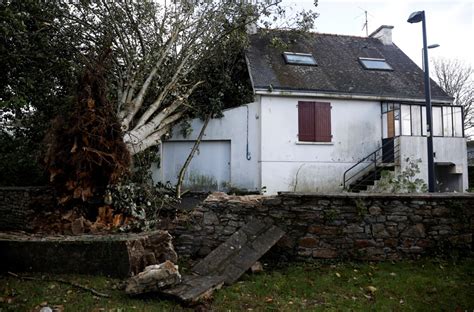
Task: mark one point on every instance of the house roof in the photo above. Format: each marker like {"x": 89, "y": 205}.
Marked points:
{"x": 338, "y": 70}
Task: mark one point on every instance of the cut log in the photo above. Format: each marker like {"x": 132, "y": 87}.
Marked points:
{"x": 118, "y": 255}
{"x": 153, "y": 278}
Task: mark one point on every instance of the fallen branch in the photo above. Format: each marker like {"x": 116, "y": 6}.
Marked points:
{"x": 60, "y": 280}
{"x": 190, "y": 156}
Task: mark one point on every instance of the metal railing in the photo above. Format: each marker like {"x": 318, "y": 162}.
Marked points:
{"x": 370, "y": 166}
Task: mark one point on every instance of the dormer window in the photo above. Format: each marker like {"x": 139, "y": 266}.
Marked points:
{"x": 299, "y": 58}
{"x": 374, "y": 63}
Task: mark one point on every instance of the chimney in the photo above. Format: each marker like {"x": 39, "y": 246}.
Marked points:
{"x": 384, "y": 34}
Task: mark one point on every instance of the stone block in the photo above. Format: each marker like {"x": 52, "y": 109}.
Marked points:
{"x": 353, "y": 228}
{"x": 325, "y": 253}
{"x": 440, "y": 212}
{"x": 308, "y": 242}
{"x": 417, "y": 231}
{"x": 397, "y": 218}
{"x": 375, "y": 210}
{"x": 323, "y": 229}
{"x": 210, "y": 218}
{"x": 379, "y": 231}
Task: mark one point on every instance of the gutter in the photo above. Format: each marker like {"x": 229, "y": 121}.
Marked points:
{"x": 342, "y": 96}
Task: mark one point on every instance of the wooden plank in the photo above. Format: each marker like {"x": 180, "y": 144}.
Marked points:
{"x": 235, "y": 256}
{"x": 195, "y": 288}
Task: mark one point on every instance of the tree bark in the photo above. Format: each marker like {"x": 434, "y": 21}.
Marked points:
{"x": 190, "y": 156}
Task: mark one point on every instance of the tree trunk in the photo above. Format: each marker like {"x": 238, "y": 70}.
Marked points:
{"x": 190, "y": 156}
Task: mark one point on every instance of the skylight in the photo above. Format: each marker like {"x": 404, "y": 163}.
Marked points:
{"x": 374, "y": 63}
{"x": 299, "y": 58}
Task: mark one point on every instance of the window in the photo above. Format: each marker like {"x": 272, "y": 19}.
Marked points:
{"x": 437, "y": 121}
{"x": 314, "y": 122}
{"x": 410, "y": 119}
{"x": 415, "y": 120}
{"x": 406, "y": 124}
{"x": 457, "y": 118}
{"x": 299, "y": 58}
{"x": 374, "y": 63}
{"x": 447, "y": 121}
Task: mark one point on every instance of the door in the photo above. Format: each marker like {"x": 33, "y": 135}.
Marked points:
{"x": 391, "y": 129}
{"x": 209, "y": 170}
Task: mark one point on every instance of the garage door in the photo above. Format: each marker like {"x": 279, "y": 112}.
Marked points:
{"x": 209, "y": 169}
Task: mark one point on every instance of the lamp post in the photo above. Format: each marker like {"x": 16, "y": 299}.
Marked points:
{"x": 417, "y": 17}
{"x": 431, "y": 46}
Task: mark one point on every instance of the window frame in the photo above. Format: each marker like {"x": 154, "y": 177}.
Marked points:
{"x": 366, "y": 67}
{"x": 289, "y": 62}
{"x": 388, "y": 106}
{"x": 321, "y": 137}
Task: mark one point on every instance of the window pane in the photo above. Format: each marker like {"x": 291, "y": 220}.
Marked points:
{"x": 299, "y": 58}
{"x": 424, "y": 123}
{"x": 457, "y": 119}
{"x": 415, "y": 120}
{"x": 397, "y": 121}
{"x": 384, "y": 126}
{"x": 380, "y": 64}
{"x": 437, "y": 121}
{"x": 447, "y": 121}
{"x": 384, "y": 107}
{"x": 406, "y": 122}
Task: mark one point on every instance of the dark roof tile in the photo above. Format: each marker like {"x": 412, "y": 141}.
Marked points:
{"x": 338, "y": 69}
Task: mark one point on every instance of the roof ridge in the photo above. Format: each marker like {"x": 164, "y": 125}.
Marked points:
{"x": 314, "y": 33}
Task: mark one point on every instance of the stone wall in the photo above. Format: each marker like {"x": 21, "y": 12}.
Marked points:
{"x": 17, "y": 203}
{"x": 355, "y": 226}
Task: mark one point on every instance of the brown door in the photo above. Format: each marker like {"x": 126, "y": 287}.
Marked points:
{"x": 390, "y": 124}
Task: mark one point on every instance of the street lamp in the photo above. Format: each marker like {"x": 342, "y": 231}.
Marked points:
{"x": 431, "y": 46}
{"x": 417, "y": 17}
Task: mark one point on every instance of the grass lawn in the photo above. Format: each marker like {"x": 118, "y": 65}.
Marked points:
{"x": 425, "y": 285}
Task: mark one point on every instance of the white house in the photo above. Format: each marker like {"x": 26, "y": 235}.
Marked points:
{"x": 330, "y": 112}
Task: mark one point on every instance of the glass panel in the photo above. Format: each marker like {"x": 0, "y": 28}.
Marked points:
{"x": 457, "y": 119}
{"x": 447, "y": 121}
{"x": 406, "y": 122}
{"x": 437, "y": 121}
{"x": 384, "y": 107}
{"x": 415, "y": 120}
{"x": 299, "y": 58}
{"x": 375, "y": 64}
{"x": 397, "y": 122}
{"x": 384, "y": 126}
{"x": 423, "y": 120}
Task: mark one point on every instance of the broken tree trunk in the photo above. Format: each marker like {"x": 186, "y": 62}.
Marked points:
{"x": 119, "y": 255}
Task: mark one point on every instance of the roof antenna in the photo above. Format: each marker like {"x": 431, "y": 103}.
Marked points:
{"x": 366, "y": 24}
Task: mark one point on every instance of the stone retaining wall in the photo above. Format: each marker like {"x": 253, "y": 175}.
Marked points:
{"x": 17, "y": 203}
{"x": 356, "y": 226}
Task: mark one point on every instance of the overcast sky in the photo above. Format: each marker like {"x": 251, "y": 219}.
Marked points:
{"x": 449, "y": 23}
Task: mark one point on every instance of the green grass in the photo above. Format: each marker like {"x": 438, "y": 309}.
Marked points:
{"x": 426, "y": 285}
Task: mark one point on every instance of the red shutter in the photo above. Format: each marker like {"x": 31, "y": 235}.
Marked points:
{"x": 306, "y": 121}
{"x": 323, "y": 122}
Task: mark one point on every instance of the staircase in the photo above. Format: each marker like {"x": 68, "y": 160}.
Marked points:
{"x": 365, "y": 174}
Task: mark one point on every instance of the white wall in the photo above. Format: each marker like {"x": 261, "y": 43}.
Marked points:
{"x": 356, "y": 130}
{"x": 447, "y": 150}
{"x": 244, "y": 173}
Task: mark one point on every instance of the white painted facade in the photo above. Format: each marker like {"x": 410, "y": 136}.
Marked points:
{"x": 449, "y": 151}
{"x": 290, "y": 165}
{"x": 278, "y": 161}
{"x": 231, "y": 128}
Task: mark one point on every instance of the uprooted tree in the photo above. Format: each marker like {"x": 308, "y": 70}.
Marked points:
{"x": 168, "y": 62}
{"x": 85, "y": 150}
